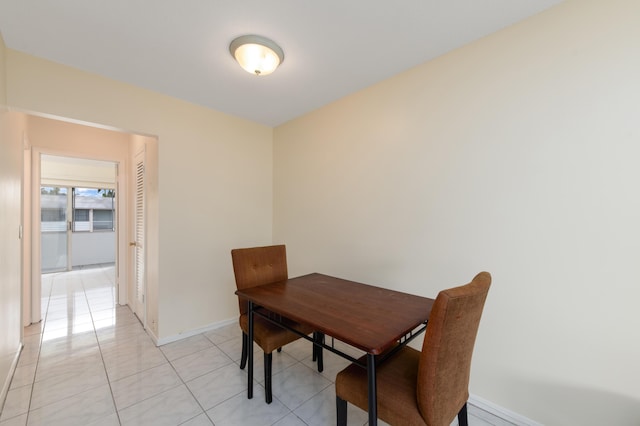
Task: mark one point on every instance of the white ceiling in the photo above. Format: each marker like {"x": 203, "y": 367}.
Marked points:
{"x": 180, "y": 47}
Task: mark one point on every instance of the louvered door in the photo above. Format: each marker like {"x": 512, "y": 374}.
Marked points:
{"x": 139, "y": 243}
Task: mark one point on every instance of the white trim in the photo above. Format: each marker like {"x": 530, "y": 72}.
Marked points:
{"x": 191, "y": 333}
{"x": 7, "y": 381}
{"x": 151, "y": 334}
{"x": 35, "y": 308}
{"x": 501, "y": 412}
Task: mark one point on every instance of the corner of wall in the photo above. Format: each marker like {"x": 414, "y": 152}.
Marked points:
{"x": 3, "y": 75}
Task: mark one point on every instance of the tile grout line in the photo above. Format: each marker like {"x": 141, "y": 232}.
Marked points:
{"x": 104, "y": 366}
{"x": 185, "y": 383}
{"x": 43, "y": 321}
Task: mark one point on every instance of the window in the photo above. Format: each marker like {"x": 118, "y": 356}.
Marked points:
{"x": 93, "y": 209}
{"x": 53, "y": 209}
{"x": 103, "y": 219}
{"x": 52, "y": 215}
{"x": 81, "y": 215}
{"x": 81, "y": 220}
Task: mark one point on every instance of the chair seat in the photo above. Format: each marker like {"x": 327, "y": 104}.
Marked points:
{"x": 396, "y": 386}
{"x": 270, "y": 336}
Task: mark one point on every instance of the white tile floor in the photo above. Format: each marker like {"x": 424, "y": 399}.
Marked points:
{"x": 90, "y": 362}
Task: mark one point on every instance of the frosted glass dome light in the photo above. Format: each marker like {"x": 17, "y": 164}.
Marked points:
{"x": 256, "y": 55}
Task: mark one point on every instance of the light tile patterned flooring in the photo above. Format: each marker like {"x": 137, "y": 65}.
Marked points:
{"x": 90, "y": 362}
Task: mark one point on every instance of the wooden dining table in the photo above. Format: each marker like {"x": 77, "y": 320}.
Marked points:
{"x": 375, "y": 320}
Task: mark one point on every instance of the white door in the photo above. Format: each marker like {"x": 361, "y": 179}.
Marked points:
{"x": 138, "y": 242}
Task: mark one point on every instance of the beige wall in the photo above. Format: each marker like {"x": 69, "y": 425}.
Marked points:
{"x": 11, "y": 131}
{"x": 214, "y": 187}
{"x": 517, "y": 154}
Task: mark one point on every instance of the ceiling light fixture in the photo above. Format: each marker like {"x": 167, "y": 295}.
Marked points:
{"x": 256, "y": 54}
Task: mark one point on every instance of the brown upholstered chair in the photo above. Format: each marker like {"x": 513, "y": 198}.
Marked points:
{"x": 429, "y": 387}
{"x": 254, "y": 267}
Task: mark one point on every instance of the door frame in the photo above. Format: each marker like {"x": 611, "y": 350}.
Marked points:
{"x": 34, "y": 314}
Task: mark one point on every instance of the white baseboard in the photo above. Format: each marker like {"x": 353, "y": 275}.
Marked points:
{"x": 190, "y": 333}
{"x": 501, "y": 412}
{"x": 152, "y": 335}
{"x": 7, "y": 380}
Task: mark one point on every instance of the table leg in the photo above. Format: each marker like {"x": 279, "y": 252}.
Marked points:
{"x": 373, "y": 396}
{"x": 250, "y": 352}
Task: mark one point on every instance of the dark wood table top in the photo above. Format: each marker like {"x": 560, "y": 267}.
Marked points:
{"x": 367, "y": 317}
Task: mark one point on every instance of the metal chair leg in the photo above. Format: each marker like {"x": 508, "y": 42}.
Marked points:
{"x": 268, "y": 360}
{"x": 314, "y": 351}
{"x": 341, "y": 410}
{"x": 245, "y": 344}
{"x": 318, "y": 351}
{"x": 462, "y": 416}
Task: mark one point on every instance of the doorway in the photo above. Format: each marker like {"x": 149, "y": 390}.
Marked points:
{"x": 75, "y": 219}
{"x": 77, "y": 228}
{"x": 75, "y": 142}
{"x": 78, "y": 218}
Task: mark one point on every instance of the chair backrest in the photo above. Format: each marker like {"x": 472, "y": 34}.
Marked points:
{"x": 258, "y": 266}
{"x": 445, "y": 362}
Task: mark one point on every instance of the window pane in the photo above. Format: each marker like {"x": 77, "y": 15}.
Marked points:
{"x": 81, "y": 215}
{"x": 53, "y": 235}
{"x": 53, "y": 209}
{"x": 102, "y": 219}
{"x": 93, "y": 209}
{"x": 52, "y": 215}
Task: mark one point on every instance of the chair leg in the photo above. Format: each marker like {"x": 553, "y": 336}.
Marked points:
{"x": 462, "y": 416}
{"x": 245, "y": 344}
{"x": 314, "y": 351}
{"x": 268, "y": 396}
{"x": 341, "y": 410}
{"x": 318, "y": 351}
